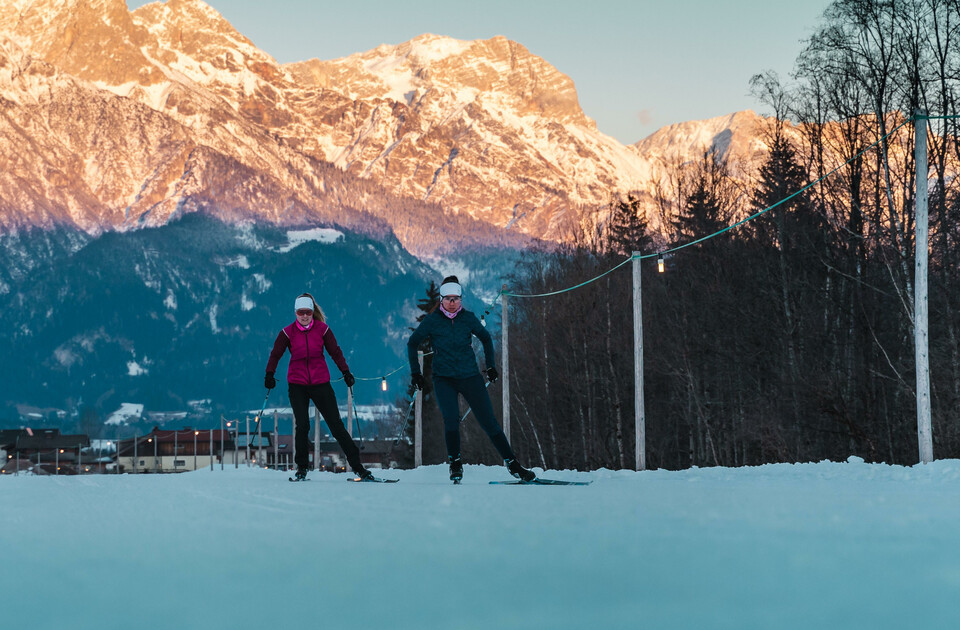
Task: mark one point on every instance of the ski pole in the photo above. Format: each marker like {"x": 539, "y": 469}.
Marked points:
{"x": 259, "y": 415}
{"x": 406, "y": 420}
{"x": 468, "y": 408}
{"x": 356, "y": 417}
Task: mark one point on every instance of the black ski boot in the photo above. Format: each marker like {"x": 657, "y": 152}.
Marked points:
{"x": 301, "y": 474}
{"x": 456, "y": 469}
{"x": 363, "y": 474}
{"x": 519, "y": 471}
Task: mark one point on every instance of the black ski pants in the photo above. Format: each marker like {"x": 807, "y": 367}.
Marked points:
{"x": 326, "y": 401}
{"x": 474, "y": 392}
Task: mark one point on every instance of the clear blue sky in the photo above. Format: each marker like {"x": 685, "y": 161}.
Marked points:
{"x": 637, "y": 64}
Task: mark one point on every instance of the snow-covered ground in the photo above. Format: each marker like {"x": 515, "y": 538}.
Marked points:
{"x": 808, "y": 546}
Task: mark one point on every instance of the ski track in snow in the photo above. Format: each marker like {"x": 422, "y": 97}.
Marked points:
{"x": 824, "y": 545}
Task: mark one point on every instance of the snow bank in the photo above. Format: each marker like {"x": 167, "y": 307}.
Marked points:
{"x": 824, "y": 545}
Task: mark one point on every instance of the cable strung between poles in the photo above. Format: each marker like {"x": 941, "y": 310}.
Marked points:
{"x": 729, "y": 227}
{"x": 508, "y": 294}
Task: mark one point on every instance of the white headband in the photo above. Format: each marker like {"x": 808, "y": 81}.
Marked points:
{"x": 450, "y": 288}
{"x": 303, "y": 302}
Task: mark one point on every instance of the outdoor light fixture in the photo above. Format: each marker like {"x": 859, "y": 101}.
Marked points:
{"x": 383, "y": 383}
{"x": 660, "y": 263}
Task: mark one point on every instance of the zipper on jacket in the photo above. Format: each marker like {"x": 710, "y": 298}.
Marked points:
{"x": 306, "y": 340}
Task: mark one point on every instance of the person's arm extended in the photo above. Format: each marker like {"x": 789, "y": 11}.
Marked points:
{"x": 279, "y": 347}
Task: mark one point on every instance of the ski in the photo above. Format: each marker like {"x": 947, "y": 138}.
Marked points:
{"x": 297, "y": 480}
{"x": 541, "y": 482}
{"x": 372, "y": 480}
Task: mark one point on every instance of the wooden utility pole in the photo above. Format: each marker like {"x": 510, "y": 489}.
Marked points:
{"x": 920, "y": 302}
{"x": 418, "y": 422}
{"x": 639, "y": 414}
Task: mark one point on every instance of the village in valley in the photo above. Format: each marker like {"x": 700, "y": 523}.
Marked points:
{"x": 48, "y": 451}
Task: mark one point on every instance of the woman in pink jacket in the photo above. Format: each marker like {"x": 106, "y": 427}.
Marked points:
{"x": 309, "y": 379}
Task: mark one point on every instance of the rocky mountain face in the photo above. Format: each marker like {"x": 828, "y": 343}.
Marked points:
{"x": 86, "y": 151}
{"x": 136, "y": 117}
{"x": 740, "y": 136}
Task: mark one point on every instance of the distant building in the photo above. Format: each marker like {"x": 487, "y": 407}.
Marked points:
{"x": 177, "y": 450}
{"x": 42, "y": 451}
{"x": 187, "y": 449}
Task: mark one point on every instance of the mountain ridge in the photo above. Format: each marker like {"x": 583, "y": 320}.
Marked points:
{"x": 481, "y": 129}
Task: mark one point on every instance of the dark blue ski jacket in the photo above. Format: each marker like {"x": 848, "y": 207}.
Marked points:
{"x": 452, "y": 341}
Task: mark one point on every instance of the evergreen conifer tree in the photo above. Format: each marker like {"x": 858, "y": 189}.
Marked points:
{"x": 627, "y": 230}
{"x": 701, "y": 215}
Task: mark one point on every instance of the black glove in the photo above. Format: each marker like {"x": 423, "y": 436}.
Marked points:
{"x": 349, "y": 379}
{"x": 417, "y": 382}
{"x": 268, "y": 381}
{"x": 492, "y": 374}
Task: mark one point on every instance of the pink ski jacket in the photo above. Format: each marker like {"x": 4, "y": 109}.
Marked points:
{"x": 308, "y": 366}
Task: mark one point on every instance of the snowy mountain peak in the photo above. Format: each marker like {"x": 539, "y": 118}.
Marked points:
{"x": 498, "y": 68}
{"x": 196, "y": 30}
{"x": 94, "y": 40}
{"x": 479, "y": 130}
{"x": 741, "y": 134}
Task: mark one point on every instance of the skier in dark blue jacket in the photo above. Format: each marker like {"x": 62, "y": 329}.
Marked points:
{"x": 451, "y": 329}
